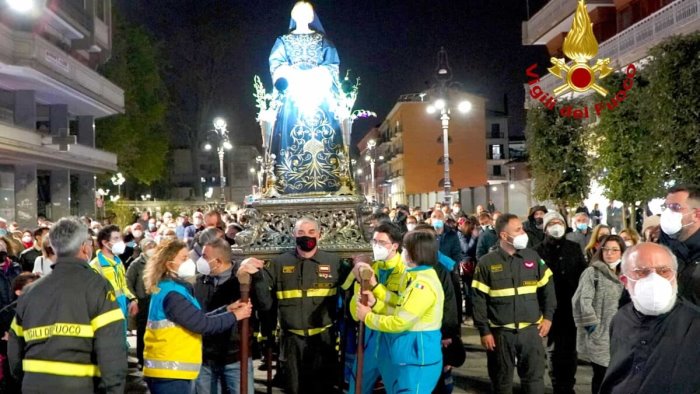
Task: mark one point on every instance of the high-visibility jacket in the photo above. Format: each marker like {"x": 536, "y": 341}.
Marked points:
{"x": 512, "y": 291}
{"x": 391, "y": 281}
{"x": 413, "y": 326}
{"x": 68, "y": 333}
{"x": 171, "y": 351}
{"x": 113, "y": 270}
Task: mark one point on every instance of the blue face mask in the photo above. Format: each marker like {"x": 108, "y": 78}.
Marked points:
{"x": 582, "y": 226}
{"x": 3, "y": 232}
{"x": 437, "y": 223}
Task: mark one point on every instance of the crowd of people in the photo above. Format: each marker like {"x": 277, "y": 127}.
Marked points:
{"x": 543, "y": 293}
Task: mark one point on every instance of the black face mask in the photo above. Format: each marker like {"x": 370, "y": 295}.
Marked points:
{"x": 3, "y": 256}
{"x": 539, "y": 221}
{"x": 306, "y": 243}
{"x": 231, "y": 241}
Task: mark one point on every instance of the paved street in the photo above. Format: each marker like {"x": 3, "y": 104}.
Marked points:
{"x": 471, "y": 378}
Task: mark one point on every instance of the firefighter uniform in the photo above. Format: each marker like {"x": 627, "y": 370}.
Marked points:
{"x": 412, "y": 339}
{"x": 512, "y": 295}
{"x": 391, "y": 281}
{"x": 113, "y": 270}
{"x": 307, "y": 294}
{"x": 68, "y": 334}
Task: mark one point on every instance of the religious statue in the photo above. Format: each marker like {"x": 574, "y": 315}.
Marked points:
{"x": 307, "y": 138}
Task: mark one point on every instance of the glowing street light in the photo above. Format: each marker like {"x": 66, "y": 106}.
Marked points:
{"x": 207, "y": 146}
{"x": 220, "y": 133}
{"x": 22, "y": 6}
{"x": 118, "y": 180}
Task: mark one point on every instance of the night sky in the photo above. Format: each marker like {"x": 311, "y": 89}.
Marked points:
{"x": 391, "y": 45}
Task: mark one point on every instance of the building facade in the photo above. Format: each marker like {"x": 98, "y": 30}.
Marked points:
{"x": 625, "y": 29}
{"x": 50, "y": 96}
{"x": 409, "y": 152}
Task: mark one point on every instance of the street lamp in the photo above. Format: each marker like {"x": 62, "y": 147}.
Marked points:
{"x": 118, "y": 180}
{"x": 220, "y": 135}
{"x": 371, "y": 159}
{"x": 22, "y": 6}
{"x": 442, "y": 105}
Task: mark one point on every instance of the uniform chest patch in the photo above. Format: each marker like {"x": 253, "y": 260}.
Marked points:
{"x": 529, "y": 283}
{"x": 288, "y": 269}
{"x": 324, "y": 271}
{"x": 529, "y": 264}
{"x": 496, "y": 268}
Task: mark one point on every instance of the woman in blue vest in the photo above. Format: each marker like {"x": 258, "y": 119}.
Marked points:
{"x": 176, "y": 323}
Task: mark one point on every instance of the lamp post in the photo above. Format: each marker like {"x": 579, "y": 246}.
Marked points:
{"x": 220, "y": 135}
{"x": 118, "y": 180}
{"x": 443, "y": 106}
{"x": 371, "y": 158}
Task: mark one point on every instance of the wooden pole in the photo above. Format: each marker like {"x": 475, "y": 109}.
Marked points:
{"x": 244, "y": 279}
{"x": 365, "y": 276}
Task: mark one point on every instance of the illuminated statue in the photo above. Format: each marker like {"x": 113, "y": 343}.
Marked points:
{"x": 307, "y": 140}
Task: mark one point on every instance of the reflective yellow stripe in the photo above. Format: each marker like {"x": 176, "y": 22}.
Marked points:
{"x": 512, "y": 325}
{"x": 545, "y": 279}
{"x": 511, "y": 291}
{"x": 17, "y": 328}
{"x": 106, "y": 318}
{"x": 480, "y": 286}
{"x": 321, "y": 292}
{"x": 311, "y": 331}
{"x": 284, "y": 294}
{"x": 60, "y": 368}
{"x": 59, "y": 329}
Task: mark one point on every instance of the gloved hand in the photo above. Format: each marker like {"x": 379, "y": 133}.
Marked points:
{"x": 590, "y": 329}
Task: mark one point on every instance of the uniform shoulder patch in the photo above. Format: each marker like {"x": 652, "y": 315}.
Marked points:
{"x": 496, "y": 268}
{"x": 111, "y": 296}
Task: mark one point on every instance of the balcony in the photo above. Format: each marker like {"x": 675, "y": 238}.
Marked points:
{"x": 495, "y": 135}
{"x": 554, "y": 18}
{"x": 632, "y": 44}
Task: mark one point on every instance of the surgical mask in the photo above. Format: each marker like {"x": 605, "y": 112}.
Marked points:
{"x": 520, "y": 241}
{"x": 614, "y": 264}
{"x": 187, "y": 269}
{"x": 197, "y": 222}
{"x": 556, "y": 230}
{"x": 411, "y": 226}
{"x": 437, "y": 224}
{"x": 137, "y": 233}
{"x": 27, "y": 240}
{"x": 203, "y": 266}
{"x": 653, "y": 295}
{"x": 629, "y": 243}
{"x": 150, "y": 252}
{"x": 671, "y": 223}
{"x": 118, "y": 248}
{"x": 581, "y": 226}
{"x": 152, "y": 226}
{"x": 380, "y": 252}
{"x": 3, "y": 232}
{"x": 456, "y": 209}
{"x": 306, "y": 243}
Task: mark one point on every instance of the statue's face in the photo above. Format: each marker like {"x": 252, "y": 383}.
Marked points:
{"x": 303, "y": 14}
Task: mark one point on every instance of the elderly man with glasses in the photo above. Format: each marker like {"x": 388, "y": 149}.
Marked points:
{"x": 680, "y": 231}
{"x": 653, "y": 339}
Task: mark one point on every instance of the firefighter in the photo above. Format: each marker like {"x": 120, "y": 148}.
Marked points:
{"x": 305, "y": 283}
{"x": 514, "y": 302}
{"x": 68, "y": 335}
{"x": 412, "y": 348}
{"x": 108, "y": 264}
{"x": 386, "y": 283}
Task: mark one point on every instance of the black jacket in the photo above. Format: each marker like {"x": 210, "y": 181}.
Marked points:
{"x": 450, "y": 247}
{"x": 503, "y": 290}
{"x": 27, "y": 257}
{"x": 654, "y": 354}
{"x": 306, "y": 289}
{"x": 223, "y": 349}
{"x": 535, "y": 235}
{"x": 450, "y": 315}
{"x": 79, "y": 303}
{"x": 688, "y": 254}
{"x": 6, "y": 295}
{"x": 567, "y": 263}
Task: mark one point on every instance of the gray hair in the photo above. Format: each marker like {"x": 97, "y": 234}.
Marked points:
{"x": 306, "y": 219}
{"x": 633, "y": 249}
{"x": 67, "y": 236}
{"x": 580, "y": 214}
{"x": 207, "y": 235}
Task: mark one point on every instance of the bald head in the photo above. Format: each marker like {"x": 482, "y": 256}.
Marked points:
{"x": 647, "y": 255}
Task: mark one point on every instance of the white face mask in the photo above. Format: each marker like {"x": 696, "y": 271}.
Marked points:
{"x": 187, "y": 269}
{"x": 27, "y": 239}
{"x": 203, "y": 266}
{"x": 629, "y": 243}
{"x": 520, "y": 241}
{"x": 456, "y": 209}
{"x": 556, "y": 230}
{"x": 137, "y": 233}
{"x": 380, "y": 252}
{"x": 118, "y": 248}
{"x": 672, "y": 223}
{"x": 653, "y": 295}
{"x": 150, "y": 252}
{"x": 614, "y": 264}
{"x": 411, "y": 226}
{"x": 197, "y": 222}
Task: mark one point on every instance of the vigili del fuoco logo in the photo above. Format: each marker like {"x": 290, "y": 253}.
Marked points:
{"x": 580, "y": 46}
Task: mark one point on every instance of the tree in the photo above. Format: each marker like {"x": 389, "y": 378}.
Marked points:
{"x": 673, "y": 100}
{"x": 139, "y": 136}
{"x": 629, "y": 163}
{"x": 558, "y": 156}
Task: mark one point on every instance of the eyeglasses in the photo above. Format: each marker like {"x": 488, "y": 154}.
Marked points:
{"x": 611, "y": 250}
{"x": 674, "y": 207}
{"x": 641, "y": 273}
{"x": 381, "y": 243}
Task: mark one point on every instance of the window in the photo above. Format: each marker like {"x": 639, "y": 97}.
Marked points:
{"x": 495, "y": 130}
{"x": 497, "y": 170}
{"x": 495, "y": 152}
{"x": 100, "y": 9}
